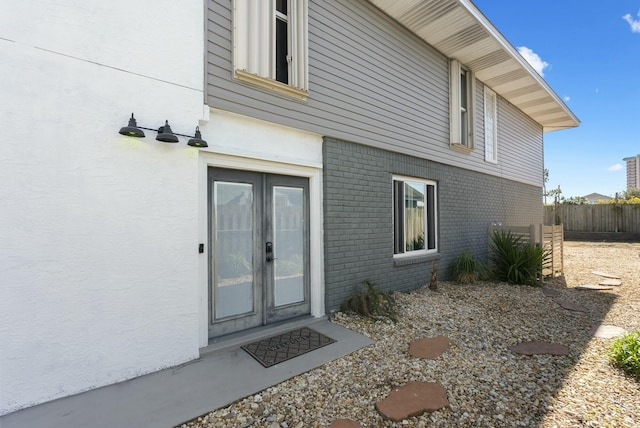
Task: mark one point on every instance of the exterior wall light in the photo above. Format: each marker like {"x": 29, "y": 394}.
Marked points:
{"x": 165, "y": 134}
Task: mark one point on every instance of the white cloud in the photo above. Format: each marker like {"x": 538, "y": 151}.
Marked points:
{"x": 616, "y": 167}
{"x": 633, "y": 23}
{"x": 533, "y": 59}
{"x": 567, "y": 99}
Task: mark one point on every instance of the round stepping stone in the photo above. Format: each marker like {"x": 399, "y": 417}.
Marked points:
{"x": 539, "y": 348}
{"x": 611, "y": 281}
{"x": 430, "y": 348}
{"x": 550, "y": 292}
{"x": 344, "y": 423}
{"x": 413, "y": 399}
{"x": 594, "y": 287}
{"x": 607, "y": 331}
{"x": 605, "y": 274}
{"x": 572, "y": 306}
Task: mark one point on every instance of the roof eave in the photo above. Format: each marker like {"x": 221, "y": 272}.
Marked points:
{"x": 459, "y": 30}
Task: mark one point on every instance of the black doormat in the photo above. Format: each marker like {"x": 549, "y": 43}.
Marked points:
{"x": 283, "y": 347}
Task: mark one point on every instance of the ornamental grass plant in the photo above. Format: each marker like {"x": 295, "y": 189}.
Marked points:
{"x": 515, "y": 261}
{"x": 466, "y": 269}
{"x": 371, "y": 303}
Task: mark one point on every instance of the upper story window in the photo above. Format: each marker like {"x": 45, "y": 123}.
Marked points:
{"x": 461, "y": 102}
{"x": 490, "y": 126}
{"x": 270, "y": 44}
{"x": 414, "y": 216}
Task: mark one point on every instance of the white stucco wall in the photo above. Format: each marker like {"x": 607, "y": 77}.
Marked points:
{"x": 98, "y": 232}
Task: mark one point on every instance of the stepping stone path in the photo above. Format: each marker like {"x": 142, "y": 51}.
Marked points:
{"x": 539, "y": 348}
{"x": 572, "y": 306}
{"x": 607, "y": 331}
{"x": 413, "y": 399}
{"x": 344, "y": 423}
{"x": 549, "y": 292}
{"x": 594, "y": 287}
{"x": 430, "y": 348}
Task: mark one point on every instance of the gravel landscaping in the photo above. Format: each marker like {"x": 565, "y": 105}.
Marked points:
{"x": 487, "y": 384}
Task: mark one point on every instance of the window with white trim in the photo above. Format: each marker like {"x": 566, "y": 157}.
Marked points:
{"x": 461, "y": 102}
{"x": 414, "y": 216}
{"x": 270, "y": 44}
{"x": 490, "y": 126}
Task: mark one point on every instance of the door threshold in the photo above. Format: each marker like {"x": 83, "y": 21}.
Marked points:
{"x": 235, "y": 340}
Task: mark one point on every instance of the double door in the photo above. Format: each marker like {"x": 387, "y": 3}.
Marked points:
{"x": 259, "y": 241}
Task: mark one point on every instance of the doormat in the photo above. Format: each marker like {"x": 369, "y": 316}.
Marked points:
{"x": 283, "y": 347}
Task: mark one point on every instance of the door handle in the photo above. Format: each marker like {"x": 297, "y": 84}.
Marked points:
{"x": 269, "y": 250}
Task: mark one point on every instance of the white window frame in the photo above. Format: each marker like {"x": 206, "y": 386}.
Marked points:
{"x": 430, "y": 218}
{"x": 460, "y": 140}
{"x": 254, "y": 45}
{"x": 490, "y": 125}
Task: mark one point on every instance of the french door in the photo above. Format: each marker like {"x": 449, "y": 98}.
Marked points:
{"x": 259, "y": 249}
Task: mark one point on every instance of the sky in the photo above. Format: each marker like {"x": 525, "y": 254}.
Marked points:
{"x": 589, "y": 53}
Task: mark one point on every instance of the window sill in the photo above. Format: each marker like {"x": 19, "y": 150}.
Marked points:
{"x": 412, "y": 260}
{"x": 461, "y": 148}
{"x": 271, "y": 85}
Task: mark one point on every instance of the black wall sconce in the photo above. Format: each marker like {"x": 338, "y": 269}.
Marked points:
{"x": 165, "y": 134}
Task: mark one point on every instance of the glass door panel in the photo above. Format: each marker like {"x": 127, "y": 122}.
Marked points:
{"x": 234, "y": 239}
{"x": 288, "y": 233}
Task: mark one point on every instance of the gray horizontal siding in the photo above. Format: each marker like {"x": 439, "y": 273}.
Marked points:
{"x": 370, "y": 82}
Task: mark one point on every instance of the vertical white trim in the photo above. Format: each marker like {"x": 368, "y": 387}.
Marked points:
{"x": 490, "y": 126}
{"x": 471, "y": 109}
{"x": 454, "y": 102}
{"x": 455, "y": 115}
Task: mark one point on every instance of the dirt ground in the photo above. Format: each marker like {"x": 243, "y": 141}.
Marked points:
{"x": 594, "y": 393}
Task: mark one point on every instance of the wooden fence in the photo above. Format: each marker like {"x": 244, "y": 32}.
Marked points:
{"x": 595, "y": 218}
{"x": 551, "y": 238}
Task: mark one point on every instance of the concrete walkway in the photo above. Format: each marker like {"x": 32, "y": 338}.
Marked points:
{"x": 223, "y": 374}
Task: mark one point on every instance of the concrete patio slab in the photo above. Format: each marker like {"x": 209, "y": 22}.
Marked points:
{"x": 223, "y": 374}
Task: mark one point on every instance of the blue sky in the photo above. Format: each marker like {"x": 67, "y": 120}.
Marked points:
{"x": 589, "y": 52}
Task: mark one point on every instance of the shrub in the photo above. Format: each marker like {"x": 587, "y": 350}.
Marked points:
{"x": 371, "y": 303}
{"x": 515, "y": 261}
{"x": 625, "y": 354}
{"x": 466, "y": 269}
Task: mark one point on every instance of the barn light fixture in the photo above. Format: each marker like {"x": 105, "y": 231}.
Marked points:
{"x": 165, "y": 134}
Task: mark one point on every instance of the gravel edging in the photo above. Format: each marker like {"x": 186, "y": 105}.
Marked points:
{"x": 487, "y": 384}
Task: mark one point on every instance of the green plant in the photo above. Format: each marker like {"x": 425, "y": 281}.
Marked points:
{"x": 515, "y": 261}
{"x": 625, "y": 354}
{"x": 371, "y": 303}
{"x": 466, "y": 269}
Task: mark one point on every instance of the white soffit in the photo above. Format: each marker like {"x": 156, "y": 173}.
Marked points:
{"x": 459, "y": 30}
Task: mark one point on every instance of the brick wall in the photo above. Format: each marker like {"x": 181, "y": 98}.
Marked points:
{"x": 358, "y": 216}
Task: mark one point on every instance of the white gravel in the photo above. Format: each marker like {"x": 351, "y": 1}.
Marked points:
{"x": 487, "y": 385}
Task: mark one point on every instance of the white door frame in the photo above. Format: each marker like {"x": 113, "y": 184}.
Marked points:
{"x": 316, "y": 250}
